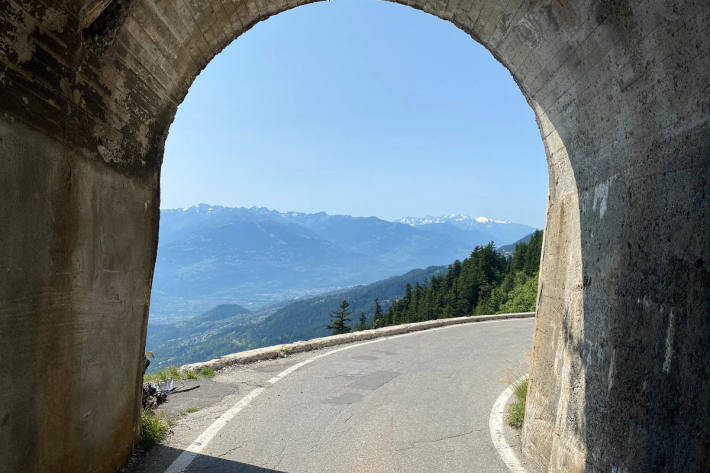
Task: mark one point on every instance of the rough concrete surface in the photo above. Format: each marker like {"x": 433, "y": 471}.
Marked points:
{"x": 620, "y": 374}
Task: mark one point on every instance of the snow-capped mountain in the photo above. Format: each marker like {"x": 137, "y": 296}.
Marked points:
{"x": 458, "y": 219}
{"x": 497, "y": 230}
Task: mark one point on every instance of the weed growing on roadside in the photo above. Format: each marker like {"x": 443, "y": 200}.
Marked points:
{"x": 176, "y": 373}
{"x": 154, "y": 428}
{"x": 516, "y": 412}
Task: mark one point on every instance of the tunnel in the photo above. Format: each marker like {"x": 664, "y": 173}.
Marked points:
{"x": 620, "y": 372}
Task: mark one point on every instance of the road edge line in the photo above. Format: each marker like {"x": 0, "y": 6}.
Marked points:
{"x": 496, "y": 427}
{"x": 183, "y": 461}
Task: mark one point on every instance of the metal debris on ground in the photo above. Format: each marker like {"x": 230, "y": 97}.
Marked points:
{"x": 152, "y": 396}
{"x": 156, "y": 394}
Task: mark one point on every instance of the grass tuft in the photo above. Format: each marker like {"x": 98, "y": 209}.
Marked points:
{"x": 154, "y": 428}
{"x": 190, "y": 410}
{"x": 516, "y": 413}
{"x": 176, "y": 373}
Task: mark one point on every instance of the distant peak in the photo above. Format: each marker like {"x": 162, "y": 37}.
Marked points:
{"x": 200, "y": 208}
{"x": 491, "y": 220}
{"x": 451, "y": 218}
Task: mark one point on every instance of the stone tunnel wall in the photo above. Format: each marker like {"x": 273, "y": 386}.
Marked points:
{"x": 620, "y": 371}
{"x": 621, "y": 94}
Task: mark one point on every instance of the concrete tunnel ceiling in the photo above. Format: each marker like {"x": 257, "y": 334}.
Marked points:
{"x": 620, "y": 369}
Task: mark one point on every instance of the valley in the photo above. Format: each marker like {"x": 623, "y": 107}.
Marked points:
{"x": 258, "y": 277}
{"x": 261, "y": 259}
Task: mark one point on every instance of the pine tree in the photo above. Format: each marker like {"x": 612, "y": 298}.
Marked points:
{"x": 362, "y": 325}
{"x": 340, "y": 319}
{"x": 378, "y": 318}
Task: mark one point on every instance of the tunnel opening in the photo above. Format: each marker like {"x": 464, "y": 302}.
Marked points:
{"x": 349, "y": 142}
{"x": 626, "y": 135}
{"x": 561, "y": 197}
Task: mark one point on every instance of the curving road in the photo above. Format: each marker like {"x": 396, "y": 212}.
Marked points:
{"x": 414, "y": 403}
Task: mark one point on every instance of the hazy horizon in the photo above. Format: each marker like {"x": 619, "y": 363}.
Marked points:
{"x": 496, "y": 219}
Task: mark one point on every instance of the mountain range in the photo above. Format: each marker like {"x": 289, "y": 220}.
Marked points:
{"x": 256, "y": 257}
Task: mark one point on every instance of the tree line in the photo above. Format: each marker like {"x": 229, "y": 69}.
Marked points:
{"x": 486, "y": 282}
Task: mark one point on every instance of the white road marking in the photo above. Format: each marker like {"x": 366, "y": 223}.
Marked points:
{"x": 496, "y": 426}
{"x": 190, "y": 453}
{"x": 183, "y": 461}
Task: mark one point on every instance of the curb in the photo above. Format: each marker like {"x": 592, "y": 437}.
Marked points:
{"x": 276, "y": 351}
{"x": 496, "y": 427}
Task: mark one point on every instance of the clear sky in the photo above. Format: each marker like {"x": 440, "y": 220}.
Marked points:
{"x": 359, "y": 107}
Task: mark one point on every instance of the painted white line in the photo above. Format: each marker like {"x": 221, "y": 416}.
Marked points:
{"x": 496, "y": 426}
{"x": 183, "y": 461}
{"x": 186, "y": 457}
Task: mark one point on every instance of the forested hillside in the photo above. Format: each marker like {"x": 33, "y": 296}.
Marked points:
{"x": 231, "y": 328}
{"x": 198, "y": 328}
{"x": 484, "y": 283}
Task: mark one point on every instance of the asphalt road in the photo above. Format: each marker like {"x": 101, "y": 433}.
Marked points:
{"x": 417, "y": 403}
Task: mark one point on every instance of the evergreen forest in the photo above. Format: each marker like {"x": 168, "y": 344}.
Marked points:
{"x": 486, "y": 282}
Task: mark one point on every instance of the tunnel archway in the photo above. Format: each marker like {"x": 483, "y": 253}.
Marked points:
{"x": 90, "y": 89}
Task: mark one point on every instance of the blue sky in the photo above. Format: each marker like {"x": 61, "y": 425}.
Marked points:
{"x": 359, "y": 107}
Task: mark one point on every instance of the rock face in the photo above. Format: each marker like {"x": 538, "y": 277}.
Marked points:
{"x": 621, "y": 366}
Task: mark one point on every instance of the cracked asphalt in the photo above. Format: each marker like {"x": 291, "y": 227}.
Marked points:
{"x": 418, "y": 403}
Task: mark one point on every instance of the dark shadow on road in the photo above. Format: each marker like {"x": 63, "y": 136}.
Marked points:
{"x": 159, "y": 458}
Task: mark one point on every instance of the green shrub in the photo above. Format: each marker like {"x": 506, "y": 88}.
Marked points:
{"x": 203, "y": 372}
{"x": 516, "y": 412}
{"x": 176, "y": 373}
{"x": 154, "y": 428}
{"x": 521, "y": 391}
{"x": 169, "y": 372}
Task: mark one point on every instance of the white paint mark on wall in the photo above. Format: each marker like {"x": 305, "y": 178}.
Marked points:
{"x": 589, "y": 348}
{"x": 645, "y": 302}
{"x": 601, "y": 195}
{"x": 670, "y": 332}
{"x": 612, "y": 370}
